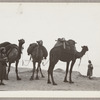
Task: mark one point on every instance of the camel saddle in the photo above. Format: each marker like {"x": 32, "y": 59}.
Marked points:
{"x": 67, "y": 45}
{"x": 10, "y": 47}
{"x": 44, "y": 50}
{"x": 31, "y": 47}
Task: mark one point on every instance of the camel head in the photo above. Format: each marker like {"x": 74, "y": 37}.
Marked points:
{"x": 21, "y": 41}
{"x": 80, "y": 54}
{"x": 84, "y": 48}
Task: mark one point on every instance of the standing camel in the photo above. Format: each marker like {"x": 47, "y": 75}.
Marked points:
{"x": 65, "y": 55}
{"x": 38, "y": 52}
{"x": 14, "y": 54}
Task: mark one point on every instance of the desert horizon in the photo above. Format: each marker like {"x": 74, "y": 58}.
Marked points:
{"x": 81, "y": 82}
{"x": 62, "y": 65}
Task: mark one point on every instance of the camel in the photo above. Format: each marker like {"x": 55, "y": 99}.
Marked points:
{"x": 59, "y": 53}
{"x": 13, "y": 54}
{"x": 38, "y": 52}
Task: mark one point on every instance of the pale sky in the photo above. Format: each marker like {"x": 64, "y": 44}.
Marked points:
{"x": 49, "y": 21}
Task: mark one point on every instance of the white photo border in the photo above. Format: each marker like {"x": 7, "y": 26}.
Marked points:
{"x": 50, "y": 94}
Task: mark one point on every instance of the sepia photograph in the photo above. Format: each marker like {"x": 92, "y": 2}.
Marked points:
{"x": 49, "y": 47}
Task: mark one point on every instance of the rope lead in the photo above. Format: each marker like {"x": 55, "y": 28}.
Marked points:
{"x": 45, "y": 63}
{"x": 27, "y": 63}
{"x": 79, "y": 63}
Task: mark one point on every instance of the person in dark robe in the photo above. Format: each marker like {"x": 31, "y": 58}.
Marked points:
{"x": 3, "y": 64}
{"x": 90, "y": 69}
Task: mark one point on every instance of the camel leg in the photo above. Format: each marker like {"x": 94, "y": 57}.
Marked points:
{"x": 53, "y": 78}
{"x": 8, "y": 71}
{"x": 41, "y": 73}
{"x": 16, "y": 70}
{"x": 67, "y": 67}
{"x": 32, "y": 77}
{"x": 70, "y": 74}
{"x": 50, "y": 72}
{"x": 53, "y": 61}
{"x": 49, "y": 82}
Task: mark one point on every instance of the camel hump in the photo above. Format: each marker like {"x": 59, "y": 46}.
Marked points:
{"x": 15, "y": 46}
{"x": 10, "y": 46}
{"x": 72, "y": 46}
{"x": 71, "y": 42}
{"x": 31, "y": 47}
{"x": 60, "y": 42}
{"x": 69, "y": 45}
{"x": 4, "y": 44}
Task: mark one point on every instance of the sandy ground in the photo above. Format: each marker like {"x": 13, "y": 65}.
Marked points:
{"x": 81, "y": 83}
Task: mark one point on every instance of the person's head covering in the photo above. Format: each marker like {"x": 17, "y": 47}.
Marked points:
{"x": 89, "y": 61}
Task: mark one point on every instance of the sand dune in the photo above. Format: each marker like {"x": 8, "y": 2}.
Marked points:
{"x": 81, "y": 83}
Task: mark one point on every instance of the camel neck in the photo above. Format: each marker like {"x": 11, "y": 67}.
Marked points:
{"x": 20, "y": 50}
{"x": 20, "y": 47}
{"x": 80, "y": 54}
